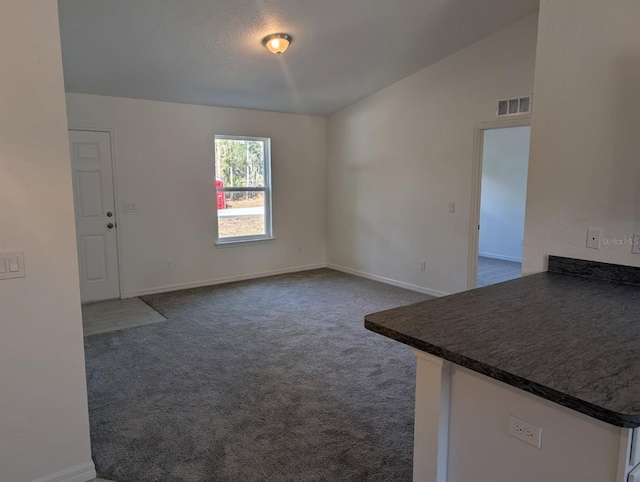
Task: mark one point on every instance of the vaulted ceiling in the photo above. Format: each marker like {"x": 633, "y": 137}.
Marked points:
{"x": 209, "y": 51}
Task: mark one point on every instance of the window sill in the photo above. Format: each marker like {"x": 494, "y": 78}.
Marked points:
{"x": 230, "y": 243}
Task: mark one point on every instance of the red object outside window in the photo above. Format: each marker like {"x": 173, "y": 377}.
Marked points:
{"x": 221, "y": 202}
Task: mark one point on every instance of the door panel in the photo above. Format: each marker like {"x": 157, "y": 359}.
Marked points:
{"x": 89, "y": 195}
{"x": 94, "y": 198}
{"x": 92, "y": 253}
{"x": 87, "y": 152}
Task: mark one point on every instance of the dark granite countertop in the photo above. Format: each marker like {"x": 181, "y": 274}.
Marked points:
{"x": 570, "y": 335}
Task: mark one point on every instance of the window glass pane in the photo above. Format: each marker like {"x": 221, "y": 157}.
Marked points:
{"x": 241, "y": 214}
{"x": 240, "y": 163}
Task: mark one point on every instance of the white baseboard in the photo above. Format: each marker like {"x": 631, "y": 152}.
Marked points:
{"x": 264, "y": 274}
{"x": 218, "y": 281}
{"x": 499, "y": 256}
{"x": 389, "y": 281}
{"x": 80, "y": 473}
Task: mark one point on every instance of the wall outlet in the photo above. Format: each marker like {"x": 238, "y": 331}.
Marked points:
{"x": 452, "y": 207}
{"x": 299, "y": 249}
{"x": 635, "y": 243}
{"x": 525, "y": 431}
{"x": 593, "y": 238}
{"x": 168, "y": 264}
{"x": 423, "y": 266}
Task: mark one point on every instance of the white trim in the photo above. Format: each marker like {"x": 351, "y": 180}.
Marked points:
{"x": 635, "y": 450}
{"x": 242, "y": 241}
{"x": 389, "y": 281}
{"x": 624, "y": 455}
{"x": 432, "y": 413}
{"x": 80, "y": 473}
{"x": 476, "y": 181}
{"x": 242, "y": 138}
{"x": 500, "y": 256}
{"x": 116, "y": 195}
{"x": 264, "y": 274}
{"x": 267, "y": 189}
{"x": 218, "y": 281}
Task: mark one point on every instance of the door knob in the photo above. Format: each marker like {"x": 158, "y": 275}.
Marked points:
{"x": 110, "y": 225}
{"x": 109, "y": 214}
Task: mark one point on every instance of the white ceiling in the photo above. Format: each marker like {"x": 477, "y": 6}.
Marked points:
{"x": 209, "y": 51}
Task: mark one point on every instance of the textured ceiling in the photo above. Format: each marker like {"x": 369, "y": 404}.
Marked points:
{"x": 209, "y": 51}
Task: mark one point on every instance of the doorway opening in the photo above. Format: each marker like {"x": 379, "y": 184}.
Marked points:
{"x": 501, "y": 178}
{"x": 95, "y": 212}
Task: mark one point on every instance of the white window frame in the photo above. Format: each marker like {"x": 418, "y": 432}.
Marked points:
{"x": 268, "y": 235}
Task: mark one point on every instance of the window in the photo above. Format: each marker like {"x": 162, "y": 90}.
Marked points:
{"x": 243, "y": 188}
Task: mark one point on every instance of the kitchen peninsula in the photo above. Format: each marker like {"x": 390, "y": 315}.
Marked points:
{"x": 559, "y": 350}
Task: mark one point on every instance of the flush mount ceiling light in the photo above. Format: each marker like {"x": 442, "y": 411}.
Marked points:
{"x": 277, "y": 43}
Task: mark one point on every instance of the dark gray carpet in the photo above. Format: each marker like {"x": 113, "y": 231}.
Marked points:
{"x": 492, "y": 271}
{"x": 273, "y": 379}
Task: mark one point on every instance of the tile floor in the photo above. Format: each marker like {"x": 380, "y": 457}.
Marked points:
{"x": 105, "y": 316}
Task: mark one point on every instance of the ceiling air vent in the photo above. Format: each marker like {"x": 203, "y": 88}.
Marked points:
{"x": 515, "y": 106}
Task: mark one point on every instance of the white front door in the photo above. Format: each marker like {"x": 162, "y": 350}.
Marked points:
{"x": 95, "y": 214}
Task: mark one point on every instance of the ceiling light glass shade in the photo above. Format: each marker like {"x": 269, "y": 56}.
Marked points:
{"x": 277, "y": 43}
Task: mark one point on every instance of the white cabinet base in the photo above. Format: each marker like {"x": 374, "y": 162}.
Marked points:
{"x": 431, "y": 429}
{"x": 461, "y": 424}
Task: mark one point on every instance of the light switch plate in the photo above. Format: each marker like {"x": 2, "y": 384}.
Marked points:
{"x": 130, "y": 207}
{"x": 12, "y": 264}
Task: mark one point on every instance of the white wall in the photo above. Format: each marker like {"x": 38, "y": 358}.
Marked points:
{"x": 398, "y": 157}
{"x": 165, "y": 163}
{"x": 585, "y": 135}
{"x": 44, "y": 424}
{"x": 505, "y": 160}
